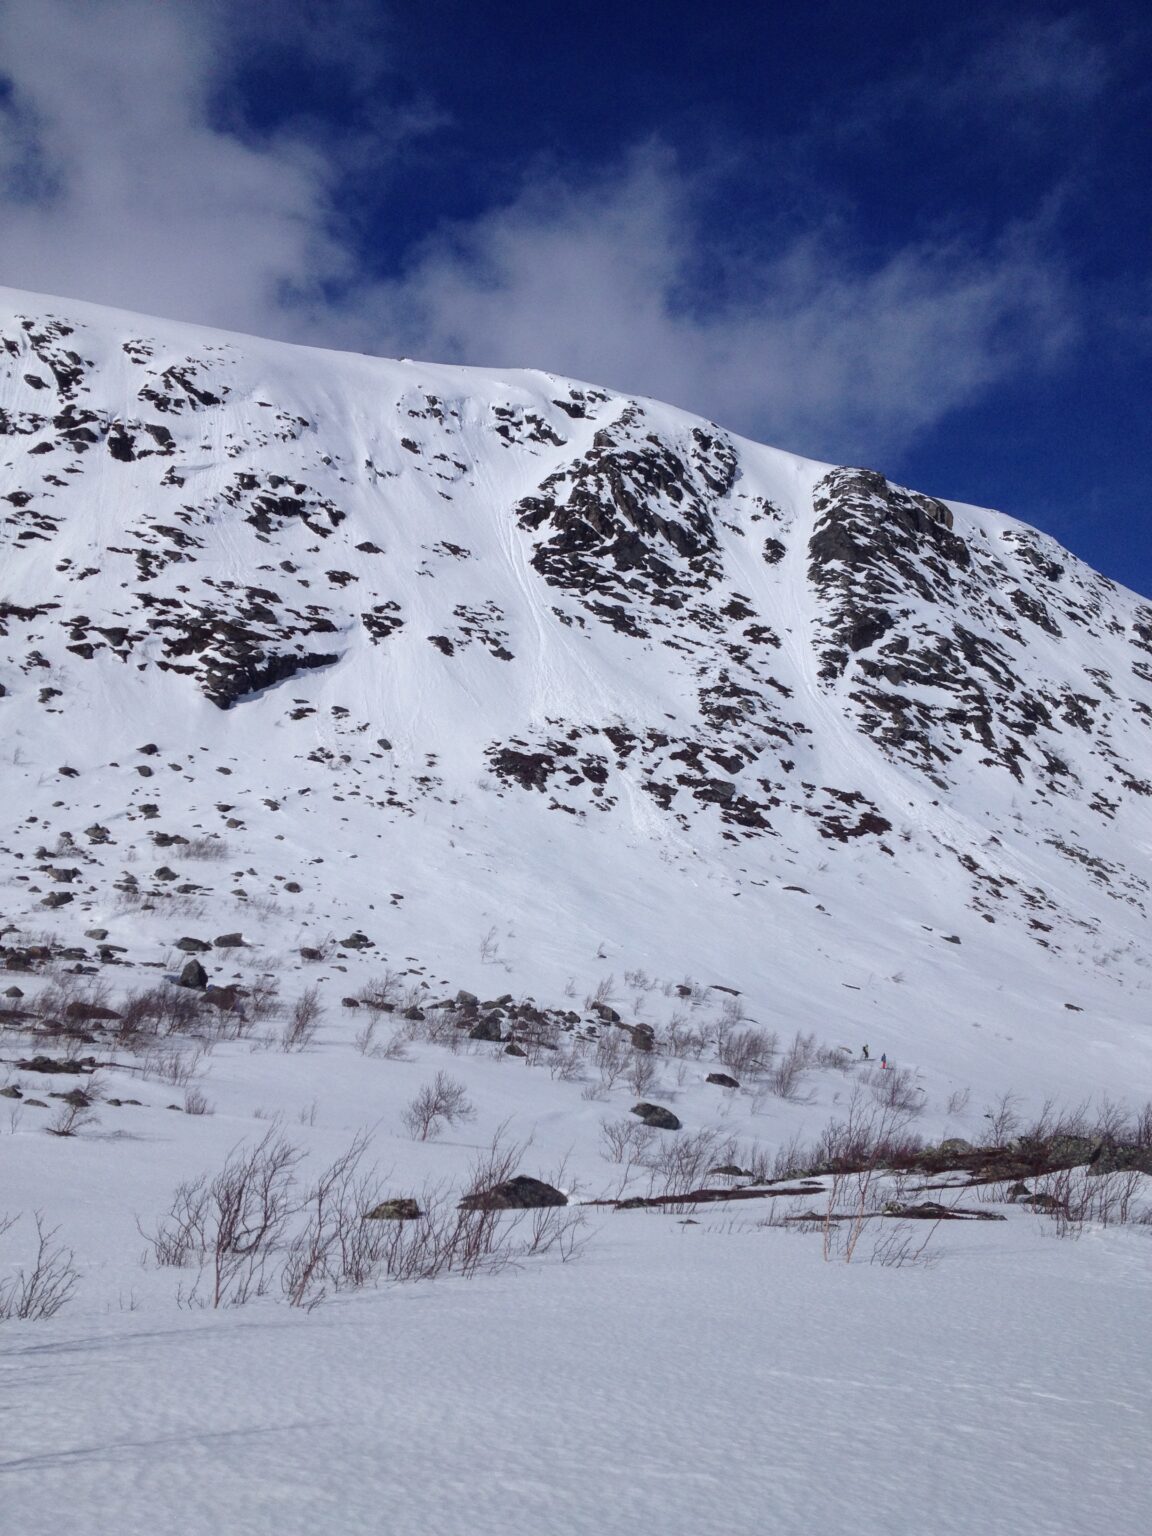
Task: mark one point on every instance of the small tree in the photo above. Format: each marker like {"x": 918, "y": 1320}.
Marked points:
{"x": 444, "y": 1101}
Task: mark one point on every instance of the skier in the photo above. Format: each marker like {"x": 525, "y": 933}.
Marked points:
{"x": 864, "y": 1052}
{"x": 884, "y": 1061}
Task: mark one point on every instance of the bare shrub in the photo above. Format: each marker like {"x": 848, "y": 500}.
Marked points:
{"x": 380, "y": 992}
{"x": 211, "y": 848}
{"x": 336, "y": 1248}
{"x": 159, "y": 1011}
{"x": 746, "y": 1051}
{"x": 232, "y": 1225}
{"x": 39, "y": 1292}
{"x": 303, "y": 1021}
{"x": 1079, "y": 1197}
{"x": 74, "y": 1115}
{"x": 264, "y": 998}
{"x": 181, "y": 1236}
{"x": 365, "y": 1037}
{"x": 196, "y": 1102}
{"x": 566, "y": 1067}
{"x": 678, "y": 1165}
{"x": 896, "y": 1088}
{"x": 612, "y": 1055}
{"x": 174, "y": 1063}
{"x": 958, "y": 1101}
{"x": 444, "y": 1101}
{"x": 643, "y": 1073}
{"x": 1003, "y": 1117}
{"x": 792, "y": 1159}
{"x": 625, "y": 1141}
{"x": 786, "y": 1079}
{"x": 394, "y": 1048}
{"x": 901, "y": 1244}
{"x": 753, "y": 1159}
{"x": 604, "y": 992}
{"x": 685, "y": 1039}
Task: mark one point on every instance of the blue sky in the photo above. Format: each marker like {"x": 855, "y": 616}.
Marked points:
{"x": 902, "y": 235}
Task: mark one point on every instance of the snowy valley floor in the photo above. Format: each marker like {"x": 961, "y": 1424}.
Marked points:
{"x": 689, "y": 1379}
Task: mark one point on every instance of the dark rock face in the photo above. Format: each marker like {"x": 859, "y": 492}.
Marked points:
{"x": 923, "y": 637}
{"x": 655, "y": 1115}
{"x": 632, "y": 519}
{"x": 519, "y": 1193}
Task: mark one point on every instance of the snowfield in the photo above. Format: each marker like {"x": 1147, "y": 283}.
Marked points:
{"x": 367, "y": 726}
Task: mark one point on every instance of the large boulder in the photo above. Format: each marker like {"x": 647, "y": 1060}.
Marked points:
{"x": 516, "y": 1194}
{"x": 194, "y": 975}
{"x": 655, "y": 1115}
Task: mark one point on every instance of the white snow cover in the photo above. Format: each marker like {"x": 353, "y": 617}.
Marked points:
{"x": 578, "y": 702}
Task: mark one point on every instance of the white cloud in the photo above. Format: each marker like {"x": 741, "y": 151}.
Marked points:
{"x": 816, "y": 354}
{"x": 120, "y": 189}
{"x": 120, "y": 182}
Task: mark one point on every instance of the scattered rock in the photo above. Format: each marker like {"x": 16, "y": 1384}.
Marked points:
{"x": 76, "y": 1067}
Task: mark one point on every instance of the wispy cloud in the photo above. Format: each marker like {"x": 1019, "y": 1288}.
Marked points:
{"x": 120, "y": 186}
{"x": 817, "y": 352}
{"x": 126, "y": 180}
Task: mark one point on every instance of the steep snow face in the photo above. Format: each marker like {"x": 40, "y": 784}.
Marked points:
{"x": 438, "y": 649}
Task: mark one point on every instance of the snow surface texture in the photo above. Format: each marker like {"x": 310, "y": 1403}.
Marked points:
{"x": 519, "y": 686}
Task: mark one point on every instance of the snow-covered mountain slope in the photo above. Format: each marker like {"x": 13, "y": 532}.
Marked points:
{"x": 423, "y": 640}
{"x": 448, "y": 721}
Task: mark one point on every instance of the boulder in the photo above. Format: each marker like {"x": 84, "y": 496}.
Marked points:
{"x": 194, "y": 975}
{"x": 82, "y": 1011}
{"x": 193, "y": 946}
{"x": 230, "y": 941}
{"x": 402, "y": 1209}
{"x": 516, "y": 1194}
{"x": 722, "y": 1080}
{"x": 655, "y": 1115}
{"x": 487, "y": 1028}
